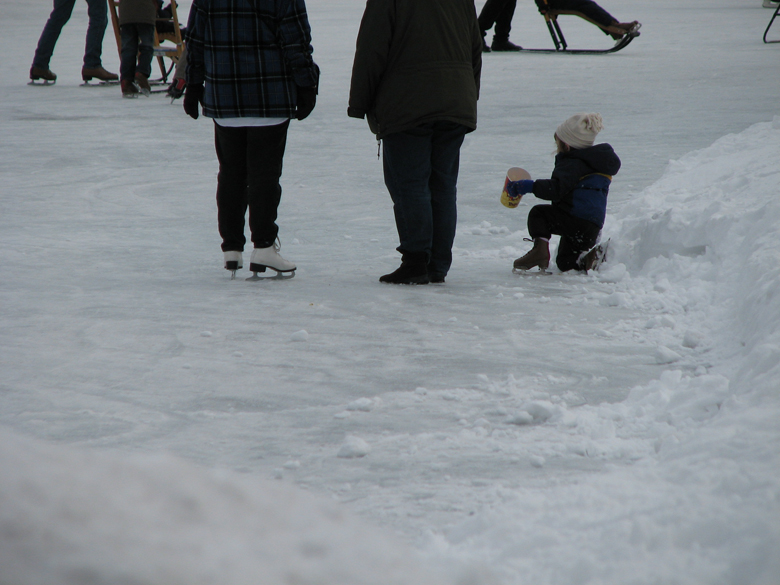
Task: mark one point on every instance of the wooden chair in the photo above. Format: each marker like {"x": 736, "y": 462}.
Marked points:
{"x": 168, "y": 44}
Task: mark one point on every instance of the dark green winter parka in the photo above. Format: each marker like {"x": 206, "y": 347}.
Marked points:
{"x": 417, "y": 61}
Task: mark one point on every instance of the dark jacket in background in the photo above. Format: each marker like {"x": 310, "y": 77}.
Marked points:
{"x": 402, "y": 79}
{"x": 578, "y": 184}
{"x": 138, "y": 11}
{"x": 252, "y": 55}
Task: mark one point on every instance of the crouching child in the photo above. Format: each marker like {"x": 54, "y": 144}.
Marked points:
{"x": 577, "y": 190}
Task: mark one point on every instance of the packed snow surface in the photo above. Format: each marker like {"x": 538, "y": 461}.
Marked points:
{"x": 162, "y": 424}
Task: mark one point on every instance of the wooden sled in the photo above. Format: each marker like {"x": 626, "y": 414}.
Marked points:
{"x": 551, "y": 19}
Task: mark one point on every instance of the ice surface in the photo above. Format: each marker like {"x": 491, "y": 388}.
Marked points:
{"x": 162, "y": 424}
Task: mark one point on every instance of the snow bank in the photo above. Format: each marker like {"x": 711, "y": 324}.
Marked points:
{"x": 692, "y": 492}
{"x": 74, "y": 517}
{"x": 705, "y": 238}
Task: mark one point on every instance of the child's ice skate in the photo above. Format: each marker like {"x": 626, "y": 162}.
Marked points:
{"x": 593, "y": 259}
{"x": 129, "y": 89}
{"x": 142, "y": 82}
{"x": 539, "y": 256}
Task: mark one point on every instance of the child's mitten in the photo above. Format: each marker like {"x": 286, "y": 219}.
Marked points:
{"x": 517, "y": 188}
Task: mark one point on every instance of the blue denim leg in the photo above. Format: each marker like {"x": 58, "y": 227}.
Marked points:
{"x": 445, "y": 164}
{"x": 51, "y": 32}
{"x": 145, "y": 48}
{"x": 421, "y": 173}
{"x": 98, "y": 20}
{"x": 129, "y": 37}
{"x": 137, "y": 43}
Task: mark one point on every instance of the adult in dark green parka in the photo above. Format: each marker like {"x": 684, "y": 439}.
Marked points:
{"x": 416, "y": 78}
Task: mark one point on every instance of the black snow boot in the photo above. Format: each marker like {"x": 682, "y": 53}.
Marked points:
{"x": 504, "y": 44}
{"x": 413, "y": 270}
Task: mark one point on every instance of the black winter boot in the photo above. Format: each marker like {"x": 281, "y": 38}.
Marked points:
{"x": 413, "y": 270}
{"x": 504, "y": 44}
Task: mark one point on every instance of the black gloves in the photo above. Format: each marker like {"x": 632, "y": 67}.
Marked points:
{"x": 193, "y": 98}
{"x": 307, "y": 97}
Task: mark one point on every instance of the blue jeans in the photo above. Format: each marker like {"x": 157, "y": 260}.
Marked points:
{"x": 98, "y": 20}
{"x": 421, "y": 173}
{"x": 137, "y": 41}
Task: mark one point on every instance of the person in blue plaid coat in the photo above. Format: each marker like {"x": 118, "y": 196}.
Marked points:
{"x": 250, "y": 68}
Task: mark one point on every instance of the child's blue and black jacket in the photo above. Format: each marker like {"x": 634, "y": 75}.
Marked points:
{"x": 580, "y": 182}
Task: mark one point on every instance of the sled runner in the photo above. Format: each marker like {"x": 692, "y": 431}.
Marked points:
{"x": 551, "y": 19}
{"x": 777, "y": 10}
{"x": 168, "y": 42}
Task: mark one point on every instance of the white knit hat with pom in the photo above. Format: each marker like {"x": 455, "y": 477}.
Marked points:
{"x": 580, "y": 130}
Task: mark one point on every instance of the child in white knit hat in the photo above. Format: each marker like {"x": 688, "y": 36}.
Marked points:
{"x": 577, "y": 191}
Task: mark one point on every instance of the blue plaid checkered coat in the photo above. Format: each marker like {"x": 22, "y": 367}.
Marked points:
{"x": 251, "y": 55}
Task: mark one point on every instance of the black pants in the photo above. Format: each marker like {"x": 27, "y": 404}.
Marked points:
{"x": 250, "y": 166}
{"x": 585, "y": 7}
{"x": 577, "y": 235}
{"x": 500, "y": 13}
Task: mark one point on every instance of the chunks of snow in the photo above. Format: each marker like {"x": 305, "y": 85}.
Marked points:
{"x": 301, "y": 335}
{"x": 664, "y": 355}
{"x": 361, "y": 404}
{"x": 354, "y": 447}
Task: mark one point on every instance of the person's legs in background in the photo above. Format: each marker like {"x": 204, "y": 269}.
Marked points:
{"x": 500, "y": 14}
{"x": 93, "y": 50}
{"x": 143, "y": 69}
{"x": 129, "y": 40}
{"x": 51, "y": 32}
